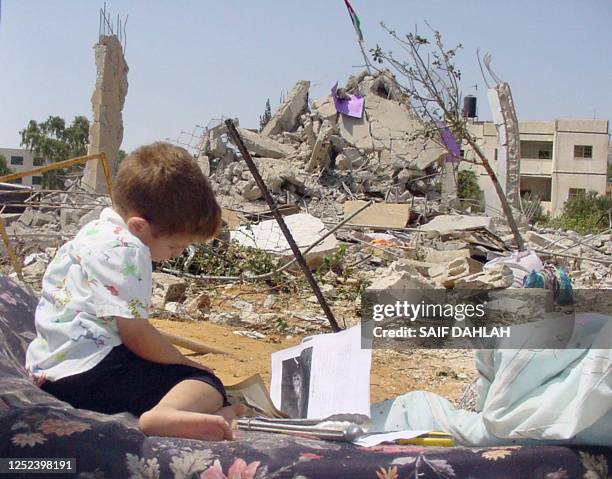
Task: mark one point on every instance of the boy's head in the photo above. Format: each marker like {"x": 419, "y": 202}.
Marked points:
{"x": 165, "y": 199}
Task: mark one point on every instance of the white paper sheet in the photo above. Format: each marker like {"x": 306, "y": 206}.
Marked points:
{"x": 326, "y": 374}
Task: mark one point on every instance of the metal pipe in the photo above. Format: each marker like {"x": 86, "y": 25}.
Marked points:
{"x": 237, "y": 140}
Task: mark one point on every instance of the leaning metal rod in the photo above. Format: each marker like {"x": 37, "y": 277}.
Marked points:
{"x": 583, "y": 258}
{"x": 235, "y": 136}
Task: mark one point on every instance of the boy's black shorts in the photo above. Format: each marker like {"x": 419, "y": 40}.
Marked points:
{"x": 124, "y": 382}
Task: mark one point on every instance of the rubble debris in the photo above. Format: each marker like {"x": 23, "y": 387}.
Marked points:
{"x": 250, "y": 334}
{"x": 336, "y": 157}
{"x": 449, "y": 274}
{"x": 400, "y": 275}
{"x": 198, "y": 306}
{"x": 497, "y": 277}
{"x": 167, "y": 288}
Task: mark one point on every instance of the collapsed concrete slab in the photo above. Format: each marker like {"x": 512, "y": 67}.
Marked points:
{"x": 456, "y": 223}
{"x": 378, "y": 215}
{"x": 287, "y": 116}
{"x": 305, "y": 229}
{"x": 260, "y": 145}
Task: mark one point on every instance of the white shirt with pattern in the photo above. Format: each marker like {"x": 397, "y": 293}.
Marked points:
{"x": 104, "y": 272}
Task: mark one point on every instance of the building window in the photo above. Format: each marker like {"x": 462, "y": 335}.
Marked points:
{"x": 37, "y": 180}
{"x": 583, "y": 151}
{"x": 17, "y": 160}
{"x": 544, "y": 154}
{"x": 18, "y": 181}
{"x": 576, "y": 192}
{"x": 38, "y": 161}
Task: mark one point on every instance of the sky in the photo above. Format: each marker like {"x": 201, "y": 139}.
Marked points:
{"x": 192, "y": 61}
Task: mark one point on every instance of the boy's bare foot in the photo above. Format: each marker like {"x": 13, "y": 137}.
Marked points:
{"x": 231, "y": 412}
{"x": 165, "y": 421}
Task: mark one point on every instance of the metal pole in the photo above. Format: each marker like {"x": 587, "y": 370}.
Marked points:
{"x": 365, "y": 57}
{"x": 237, "y": 140}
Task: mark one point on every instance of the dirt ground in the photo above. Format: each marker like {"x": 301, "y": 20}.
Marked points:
{"x": 445, "y": 372}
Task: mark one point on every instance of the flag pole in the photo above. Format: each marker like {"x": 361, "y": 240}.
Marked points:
{"x": 365, "y": 57}
{"x": 357, "y": 25}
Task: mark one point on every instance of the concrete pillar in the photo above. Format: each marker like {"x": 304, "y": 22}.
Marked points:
{"x": 106, "y": 129}
{"x": 448, "y": 182}
{"x": 508, "y": 135}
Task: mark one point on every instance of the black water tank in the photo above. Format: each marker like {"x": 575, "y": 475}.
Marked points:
{"x": 469, "y": 106}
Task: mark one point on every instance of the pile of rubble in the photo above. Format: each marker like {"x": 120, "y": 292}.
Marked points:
{"x": 314, "y": 155}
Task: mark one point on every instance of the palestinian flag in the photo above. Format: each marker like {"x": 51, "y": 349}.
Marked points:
{"x": 355, "y": 20}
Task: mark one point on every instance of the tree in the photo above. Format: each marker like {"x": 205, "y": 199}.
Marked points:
{"x": 468, "y": 189}
{"x": 266, "y": 117}
{"x": 120, "y": 156}
{"x": 4, "y": 168}
{"x": 432, "y": 89}
{"x": 55, "y": 142}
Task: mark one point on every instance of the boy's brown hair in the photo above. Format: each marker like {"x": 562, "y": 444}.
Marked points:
{"x": 163, "y": 184}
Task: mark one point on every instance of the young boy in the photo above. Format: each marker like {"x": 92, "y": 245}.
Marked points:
{"x": 95, "y": 348}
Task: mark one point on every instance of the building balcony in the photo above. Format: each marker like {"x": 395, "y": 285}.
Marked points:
{"x": 536, "y": 167}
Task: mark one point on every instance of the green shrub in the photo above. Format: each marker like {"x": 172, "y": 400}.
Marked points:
{"x": 585, "y": 213}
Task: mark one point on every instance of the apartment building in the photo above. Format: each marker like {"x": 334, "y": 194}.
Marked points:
{"x": 559, "y": 159}
{"x": 19, "y": 159}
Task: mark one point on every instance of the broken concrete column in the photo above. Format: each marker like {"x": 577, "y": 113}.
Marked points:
{"x": 309, "y": 131}
{"x": 508, "y": 138}
{"x": 321, "y": 147}
{"x": 449, "y": 183}
{"x": 106, "y": 129}
{"x": 287, "y": 116}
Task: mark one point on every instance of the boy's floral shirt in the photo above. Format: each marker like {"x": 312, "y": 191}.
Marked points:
{"x": 104, "y": 272}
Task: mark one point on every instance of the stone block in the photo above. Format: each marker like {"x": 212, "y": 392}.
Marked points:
{"x": 166, "y": 289}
